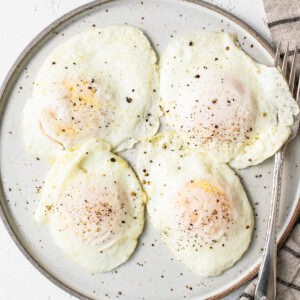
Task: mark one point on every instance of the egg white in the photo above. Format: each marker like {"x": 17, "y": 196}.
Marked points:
{"x": 93, "y": 205}
{"x": 101, "y": 83}
{"x": 222, "y": 102}
{"x": 199, "y": 207}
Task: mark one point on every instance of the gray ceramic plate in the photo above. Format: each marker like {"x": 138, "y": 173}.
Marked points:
{"x": 151, "y": 273}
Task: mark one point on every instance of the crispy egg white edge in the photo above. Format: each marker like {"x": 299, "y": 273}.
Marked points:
{"x": 277, "y": 133}
{"x": 204, "y": 262}
{"x": 59, "y": 176}
{"x": 42, "y": 147}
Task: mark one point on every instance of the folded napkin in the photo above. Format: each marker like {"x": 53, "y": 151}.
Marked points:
{"x": 284, "y": 23}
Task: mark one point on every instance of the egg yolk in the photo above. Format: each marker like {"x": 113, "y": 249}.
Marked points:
{"x": 91, "y": 214}
{"x": 215, "y": 109}
{"x": 204, "y": 211}
{"x": 76, "y": 112}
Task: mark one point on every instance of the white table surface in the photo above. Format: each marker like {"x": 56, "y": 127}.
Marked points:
{"x": 20, "y": 21}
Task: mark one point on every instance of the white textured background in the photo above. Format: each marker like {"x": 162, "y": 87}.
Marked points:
{"x": 20, "y": 21}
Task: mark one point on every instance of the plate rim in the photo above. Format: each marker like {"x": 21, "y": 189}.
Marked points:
{"x": 13, "y": 74}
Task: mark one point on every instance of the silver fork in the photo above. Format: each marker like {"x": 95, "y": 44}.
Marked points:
{"x": 266, "y": 284}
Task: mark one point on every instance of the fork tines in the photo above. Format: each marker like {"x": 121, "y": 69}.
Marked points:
{"x": 283, "y": 67}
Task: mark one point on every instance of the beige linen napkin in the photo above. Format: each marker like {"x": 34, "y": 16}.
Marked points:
{"x": 284, "y": 23}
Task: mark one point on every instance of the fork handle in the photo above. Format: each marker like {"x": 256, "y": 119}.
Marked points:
{"x": 266, "y": 284}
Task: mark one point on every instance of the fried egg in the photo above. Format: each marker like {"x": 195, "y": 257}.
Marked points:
{"x": 93, "y": 205}
{"x": 198, "y": 206}
{"x": 222, "y": 102}
{"x": 101, "y": 83}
